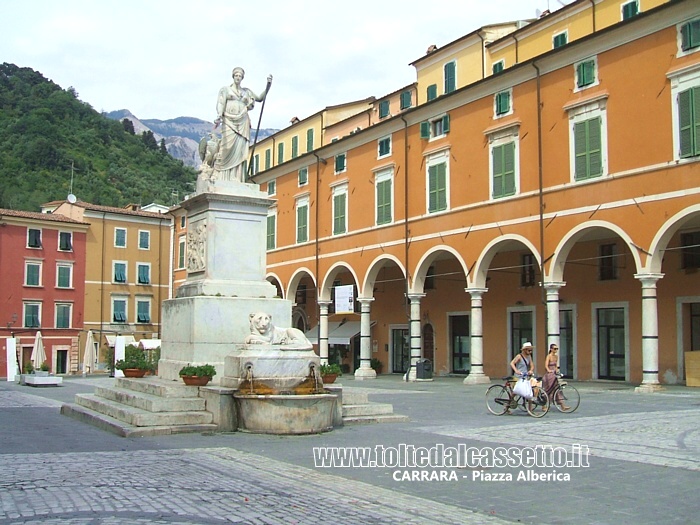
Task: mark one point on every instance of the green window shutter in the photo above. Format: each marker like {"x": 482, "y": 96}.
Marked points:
{"x": 450, "y": 77}
{"x": 509, "y": 168}
{"x": 425, "y": 130}
{"x": 384, "y": 202}
{"x": 383, "y": 108}
{"x": 63, "y": 277}
{"x": 65, "y": 243}
{"x": 302, "y": 218}
{"x": 271, "y": 232}
{"x": 340, "y": 163}
{"x": 303, "y": 176}
{"x": 446, "y": 123}
{"x": 405, "y": 99}
{"x": 690, "y": 35}
{"x": 588, "y": 149}
{"x": 143, "y": 275}
{"x": 309, "y": 139}
{"x": 267, "y": 159}
{"x": 497, "y": 67}
{"x": 432, "y": 92}
{"x": 339, "y": 213}
{"x": 559, "y": 40}
{"x": 502, "y": 102}
{"x": 34, "y": 238}
{"x": 689, "y": 122}
{"x": 498, "y": 170}
{"x": 119, "y": 273}
{"x": 437, "y": 188}
{"x": 629, "y": 10}
{"x": 62, "y": 316}
{"x": 384, "y": 146}
{"x": 585, "y": 73}
{"x": 295, "y": 147}
{"x": 32, "y": 275}
{"x": 280, "y": 153}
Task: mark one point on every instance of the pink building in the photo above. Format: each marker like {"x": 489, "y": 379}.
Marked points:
{"x": 42, "y": 286}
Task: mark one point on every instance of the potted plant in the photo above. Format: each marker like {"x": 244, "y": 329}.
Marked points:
{"x": 28, "y": 367}
{"x": 197, "y": 375}
{"x": 43, "y": 370}
{"x": 329, "y": 373}
{"x": 376, "y": 364}
{"x": 134, "y": 363}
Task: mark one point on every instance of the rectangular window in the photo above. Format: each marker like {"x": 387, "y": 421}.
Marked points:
{"x": 690, "y": 35}
{"x": 384, "y": 109}
{"x": 435, "y": 128}
{"x": 340, "y": 195}
{"x": 119, "y": 310}
{"x": 268, "y": 160}
{"x": 120, "y": 237}
{"x": 630, "y": 9}
{"x": 689, "y": 122}
{"x": 432, "y": 92}
{"x": 588, "y": 149}
{"x": 144, "y": 273}
{"x": 272, "y": 187}
{"x": 607, "y": 267}
{"x": 32, "y": 315}
{"x": 256, "y": 164}
{"x": 33, "y": 238}
{"x": 183, "y": 221}
{"x": 384, "y": 146}
{"x": 271, "y": 228}
{"x": 405, "y": 100}
{"x": 143, "y": 311}
{"x": 340, "y": 164}
{"x": 144, "y": 240}
{"x": 64, "y": 275}
{"x": 691, "y": 249}
{"x": 309, "y": 140}
{"x": 280, "y": 153}
{"x": 502, "y": 103}
{"x": 560, "y": 40}
{"x": 384, "y": 192}
{"x": 585, "y": 73}
{"x": 65, "y": 241}
{"x": 503, "y": 170}
{"x": 302, "y": 220}
{"x": 181, "y": 253}
{"x": 450, "y": 71}
{"x": 498, "y": 67}
{"x": 32, "y": 274}
{"x": 437, "y": 187}
{"x": 303, "y": 176}
{"x": 119, "y": 272}
{"x": 63, "y": 315}
{"x": 527, "y": 270}
{"x": 295, "y": 147}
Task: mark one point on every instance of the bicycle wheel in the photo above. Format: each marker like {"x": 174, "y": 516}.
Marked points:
{"x": 538, "y": 406}
{"x": 497, "y": 400}
{"x": 568, "y": 396}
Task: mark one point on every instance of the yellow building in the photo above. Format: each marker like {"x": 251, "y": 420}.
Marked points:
{"x": 555, "y": 202}
{"x": 128, "y": 270}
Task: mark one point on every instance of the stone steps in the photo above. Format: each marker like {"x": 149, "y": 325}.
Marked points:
{"x": 150, "y": 402}
{"x": 357, "y": 409}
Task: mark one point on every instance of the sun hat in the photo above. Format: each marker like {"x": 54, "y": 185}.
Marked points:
{"x": 526, "y": 345}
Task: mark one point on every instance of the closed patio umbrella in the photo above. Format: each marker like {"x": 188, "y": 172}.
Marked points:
{"x": 38, "y": 354}
{"x": 89, "y": 355}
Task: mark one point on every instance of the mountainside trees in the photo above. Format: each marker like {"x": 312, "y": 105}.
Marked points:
{"x": 49, "y": 137}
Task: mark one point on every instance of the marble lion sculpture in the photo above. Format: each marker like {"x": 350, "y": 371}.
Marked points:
{"x": 262, "y": 331}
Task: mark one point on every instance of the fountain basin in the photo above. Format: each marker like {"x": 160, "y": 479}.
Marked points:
{"x": 285, "y": 414}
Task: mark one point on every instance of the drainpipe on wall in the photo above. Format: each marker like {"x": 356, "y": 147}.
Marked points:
{"x": 319, "y": 160}
{"x": 102, "y": 275}
{"x": 160, "y": 273}
{"x": 593, "y": 12}
{"x": 405, "y": 221}
{"x": 483, "y": 55}
{"x": 540, "y": 195}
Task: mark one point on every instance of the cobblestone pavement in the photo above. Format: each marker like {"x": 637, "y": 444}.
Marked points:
{"x": 644, "y": 462}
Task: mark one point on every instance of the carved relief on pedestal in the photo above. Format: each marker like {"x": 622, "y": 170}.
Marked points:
{"x": 197, "y": 247}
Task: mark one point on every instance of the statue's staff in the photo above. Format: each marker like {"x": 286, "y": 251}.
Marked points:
{"x": 257, "y": 130}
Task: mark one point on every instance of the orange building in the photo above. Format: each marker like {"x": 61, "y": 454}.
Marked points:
{"x": 553, "y": 202}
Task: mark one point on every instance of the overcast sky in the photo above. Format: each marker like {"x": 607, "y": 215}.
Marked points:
{"x": 168, "y": 58}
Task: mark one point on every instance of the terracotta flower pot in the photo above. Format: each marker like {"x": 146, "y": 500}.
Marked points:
{"x": 196, "y": 380}
{"x": 134, "y": 372}
{"x": 329, "y": 378}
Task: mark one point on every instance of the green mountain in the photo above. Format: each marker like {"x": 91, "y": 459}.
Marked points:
{"x": 49, "y": 137}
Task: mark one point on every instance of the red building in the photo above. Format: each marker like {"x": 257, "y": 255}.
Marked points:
{"x": 42, "y": 286}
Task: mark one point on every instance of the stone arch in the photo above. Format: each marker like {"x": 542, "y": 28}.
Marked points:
{"x": 586, "y": 231}
{"x": 502, "y": 243}
{"x": 296, "y": 278}
{"x": 324, "y": 293}
{"x": 668, "y": 230}
{"x": 373, "y": 271}
{"x": 275, "y": 280}
{"x": 435, "y": 253}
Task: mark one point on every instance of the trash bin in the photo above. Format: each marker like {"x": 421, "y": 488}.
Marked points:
{"x": 424, "y": 369}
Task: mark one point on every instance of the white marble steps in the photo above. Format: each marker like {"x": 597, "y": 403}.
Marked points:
{"x": 143, "y": 407}
{"x": 357, "y": 409}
